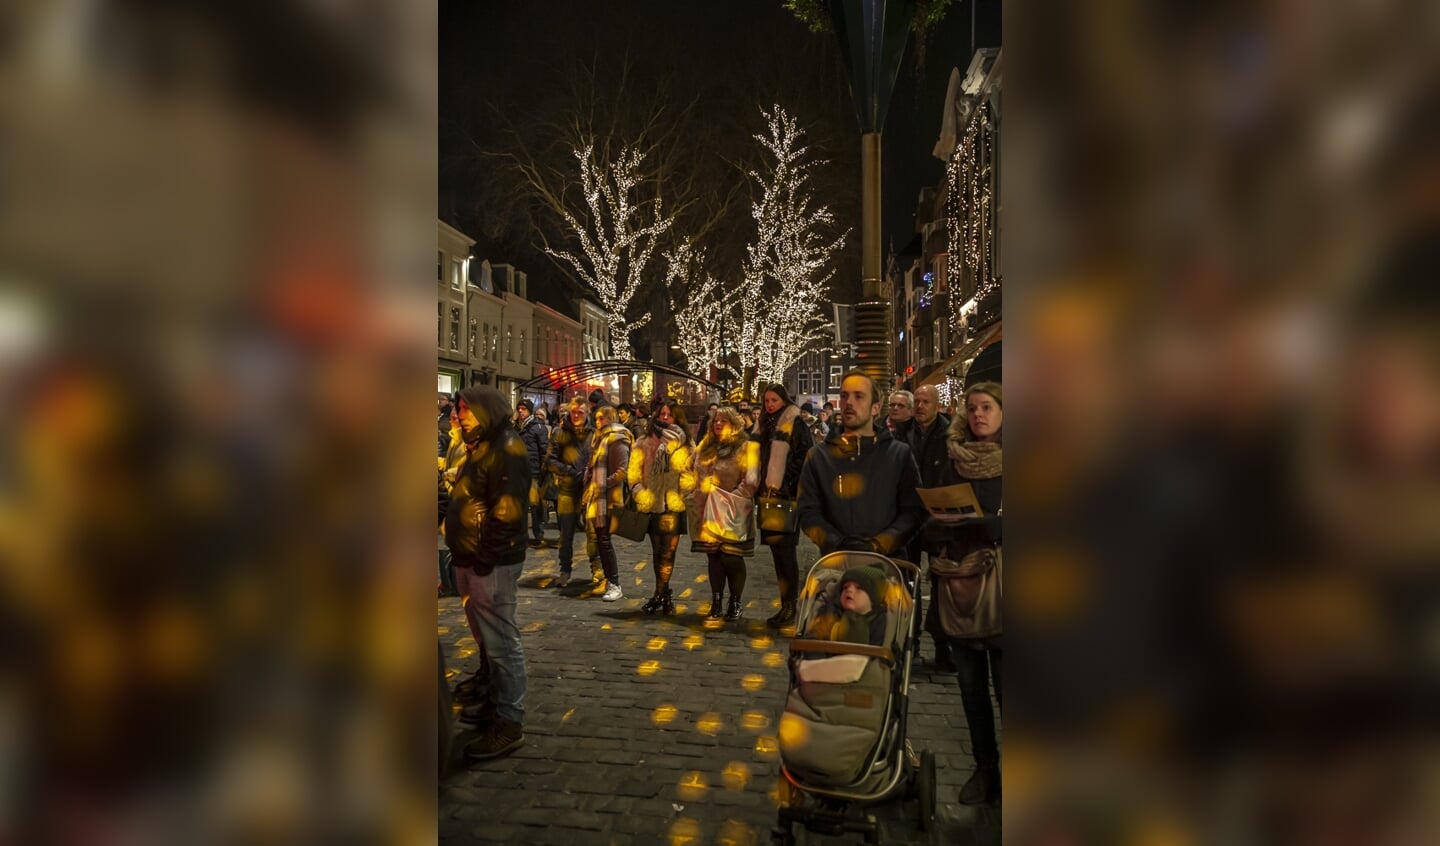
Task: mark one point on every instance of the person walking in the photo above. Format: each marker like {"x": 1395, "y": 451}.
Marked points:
{"x": 566, "y": 461}
{"x": 974, "y": 448}
{"x": 784, "y": 441}
{"x": 604, "y": 490}
{"x": 485, "y": 530}
{"x": 661, "y": 479}
{"x": 928, "y": 438}
{"x": 728, "y": 461}
{"x": 537, "y": 441}
{"x": 857, "y": 490}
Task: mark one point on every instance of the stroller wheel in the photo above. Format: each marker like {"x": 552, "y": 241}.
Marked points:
{"x": 925, "y": 788}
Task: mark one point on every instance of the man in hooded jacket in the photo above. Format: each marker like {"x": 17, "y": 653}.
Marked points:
{"x": 857, "y": 490}
{"x": 485, "y": 530}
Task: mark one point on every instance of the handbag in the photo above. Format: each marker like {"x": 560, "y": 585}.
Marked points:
{"x": 969, "y": 592}
{"x": 728, "y": 516}
{"x": 628, "y": 523}
{"x": 778, "y": 515}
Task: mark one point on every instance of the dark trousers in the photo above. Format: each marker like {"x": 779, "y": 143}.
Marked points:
{"x": 976, "y": 668}
{"x": 787, "y": 570}
{"x": 537, "y": 521}
{"x": 727, "y": 569}
{"x": 606, "y": 549}
{"x": 567, "y": 514}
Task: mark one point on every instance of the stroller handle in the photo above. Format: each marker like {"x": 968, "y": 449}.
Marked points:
{"x": 842, "y": 648}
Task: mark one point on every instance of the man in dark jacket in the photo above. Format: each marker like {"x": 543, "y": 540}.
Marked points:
{"x": 485, "y": 530}
{"x": 927, "y": 436}
{"x": 857, "y": 490}
{"x": 537, "y": 441}
{"x": 567, "y": 460}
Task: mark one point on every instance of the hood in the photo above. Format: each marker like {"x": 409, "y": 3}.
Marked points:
{"x": 489, "y": 407}
{"x": 836, "y": 440}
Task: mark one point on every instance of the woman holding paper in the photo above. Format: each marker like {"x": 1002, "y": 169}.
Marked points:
{"x": 975, "y": 459}
{"x": 727, "y": 472}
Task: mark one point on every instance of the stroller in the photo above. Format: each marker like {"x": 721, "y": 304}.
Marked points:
{"x": 842, "y": 735}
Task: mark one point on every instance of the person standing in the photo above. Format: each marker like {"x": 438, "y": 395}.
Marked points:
{"x": 902, "y": 413}
{"x": 566, "y": 461}
{"x": 726, "y": 460}
{"x": 784, "y": 441}
{"x": 974, "y": 448}
{"x": 857, "y": 490}
{"x": 927, "y": 438}
{"x": 485, "y": 530}
{"x": 537, "y": 442}
{"x": 660, "y": 480}
{"x": 604, "y": 490}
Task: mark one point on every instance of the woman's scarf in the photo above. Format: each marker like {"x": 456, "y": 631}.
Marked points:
{"x": 774, "y": 452}
{"x": 975, "y": 459}
{"x": 671, "y": 438}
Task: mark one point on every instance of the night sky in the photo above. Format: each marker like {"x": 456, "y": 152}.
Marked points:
{"x": 735, "y": 56}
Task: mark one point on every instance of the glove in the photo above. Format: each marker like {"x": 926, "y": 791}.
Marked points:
{"x": 852, "y": 543}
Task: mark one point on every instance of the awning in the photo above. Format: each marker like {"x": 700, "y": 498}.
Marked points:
{"x": 989, "y": 335}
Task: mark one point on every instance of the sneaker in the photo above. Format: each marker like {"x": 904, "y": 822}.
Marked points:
{"x": 612, "y": 593}
{"x": 501, "y": 737}
{"x": 563, "y": 580}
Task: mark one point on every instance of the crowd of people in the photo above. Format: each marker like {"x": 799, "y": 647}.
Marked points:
{"x": 849, "y": 473}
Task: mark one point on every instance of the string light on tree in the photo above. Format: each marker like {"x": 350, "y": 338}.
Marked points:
{"x": 616, "y": 237}
{"x": 700, "y": 305}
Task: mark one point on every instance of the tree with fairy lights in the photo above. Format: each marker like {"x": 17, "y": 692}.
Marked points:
{"x": 787, "y": 268}
{"x": 699, "y": 304}
{"x": 617, "y": 233}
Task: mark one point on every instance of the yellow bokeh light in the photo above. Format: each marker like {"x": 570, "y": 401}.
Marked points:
{"x": 656, "y": 644}
{"x": 755, "y": 721}
{"x": 753, "y": 682}
{"x": 640, "y": 568}
{"x": 649, "y": 668}
{"x": 736, "y": 775}
{"x": 766, "y": 746}
{"x": 444, "y": 630}
{"x": 686, "y": 593}
{"x": 774, "y": 659}
{"x": 451, "y": 672}
{"x": 762, "y": 642}
{"x": 793, "y": 730}
{"x": 735, "y": 833}
{"x": 664, "y": 715}
{"x": 709, "y": 724}
{"x": 694, "y": 642}
{"x": 684, "y": 832}
{"x": 849, "y": 485}
{"x": 568, "y": 715}
{"x": 714, "y": 624}
{"x": 702, "y": 579}
{"x": 692, "y": 786}
{"x": 606, "y": 627}
{"x": 531, "y": 628}
{"x": 509, "y": 509}
{"x": 644, "y": 499}
{"x": 465, "y": 652}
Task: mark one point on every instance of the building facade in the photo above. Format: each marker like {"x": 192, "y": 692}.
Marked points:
{"x": 452, "y": 262}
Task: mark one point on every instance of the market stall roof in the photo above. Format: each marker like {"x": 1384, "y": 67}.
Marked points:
{"x": 564, "y": 378}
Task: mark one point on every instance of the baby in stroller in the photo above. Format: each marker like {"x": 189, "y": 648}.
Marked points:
{"x": 862, "y": 616}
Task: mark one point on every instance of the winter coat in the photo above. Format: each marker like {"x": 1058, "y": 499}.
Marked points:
{"x": 966, "y": 537}
{"x": 782, "y": 454}
{"x": 537, "y": 440}
{"x": 735, "y": 467}
{"x": 605, "y": 475}
{"x": 567, "y": 458}
{"x": 929, "y": 449}
{"x": 660, "y": 475}
{"x": 859, "y": 493}
{"x": 485, "y": 522}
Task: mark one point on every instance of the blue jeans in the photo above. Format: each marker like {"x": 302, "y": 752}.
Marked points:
{"x": 490, "y": 610}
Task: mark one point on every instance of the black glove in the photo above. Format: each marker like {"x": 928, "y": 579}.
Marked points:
{"x": 853, "y": 543}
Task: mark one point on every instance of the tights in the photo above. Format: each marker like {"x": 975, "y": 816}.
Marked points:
{"x": 662, "y": 553}
{"x": 725, "y": 568}
{"x": 787, "y": 570}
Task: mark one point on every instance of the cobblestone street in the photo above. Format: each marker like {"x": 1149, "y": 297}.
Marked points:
{"x": 662, "y": 730}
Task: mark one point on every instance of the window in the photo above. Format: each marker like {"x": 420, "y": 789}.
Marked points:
{"x": 523, "y": 348}
{"x": 439, "y": 324}
{"x": 474, "y": 328}
{"x": 494, "y": 344}
{"x": 510, "y": 342}
{"x": 835, "y": 371}
{"x": 456, "y": 280}
{"x": 455, "y": 328}
{"x": 439, "y": 265}
{"x": 804, "y": 382}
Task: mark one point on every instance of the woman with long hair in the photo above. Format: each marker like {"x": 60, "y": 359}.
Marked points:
{"x": 784, "y": 439}
{"x": 726, "y": 460}
{"x": 975, "y": 458}
{"x": 604, "y": 490}
{"x": 565, "y": 461}
{"x": 660, "y": 480}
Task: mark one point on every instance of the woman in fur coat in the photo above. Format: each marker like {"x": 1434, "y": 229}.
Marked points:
{"x": 660, "y": 480}
{"x": 726, "y": 460}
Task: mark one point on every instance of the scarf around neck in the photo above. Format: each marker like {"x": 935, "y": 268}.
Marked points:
{"x": 975, "y": 459}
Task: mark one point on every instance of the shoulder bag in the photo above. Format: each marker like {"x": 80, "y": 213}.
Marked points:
{"x": 728, "y": 516}
{"x": 969, "y": 592}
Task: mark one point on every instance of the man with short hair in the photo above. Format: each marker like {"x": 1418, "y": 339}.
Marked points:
{"x": 927, "y": 438}
{"x": 857, "y": 490}
{"x": 485, "y": 530}
{"x": 537, "y": 440}
{"x": 902, "y": 411}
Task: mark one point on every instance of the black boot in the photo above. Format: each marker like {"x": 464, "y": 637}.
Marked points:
{"x": 786, "y": 617}
{"x": 667, "y": 603}
{"x": 733, "y": 613}
{"x": 717, "y": 606}
{"x": 982, "y": 787}
{"x": 653, "y": 604}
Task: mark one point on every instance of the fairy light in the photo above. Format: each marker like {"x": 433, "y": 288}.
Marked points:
{"x": 616, "y": 242}
{"x": 700, "y": 306}
{"x": 969, "y": 205}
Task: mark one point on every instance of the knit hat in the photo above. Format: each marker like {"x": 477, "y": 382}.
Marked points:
{"x": 870, "y": 580}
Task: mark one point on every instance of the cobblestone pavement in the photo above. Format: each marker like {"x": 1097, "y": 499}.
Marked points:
{"x": 646, "y": 729}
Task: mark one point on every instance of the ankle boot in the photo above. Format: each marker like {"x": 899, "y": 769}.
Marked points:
{"x": 717, "y": 606}
{"x": 653, "y": 604}
{"x": 786, "y": 616}
{"x": 733, "y": 612}
{"x": 667, "y": 603}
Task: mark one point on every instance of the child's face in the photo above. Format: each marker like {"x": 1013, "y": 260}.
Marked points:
{"x": 854, "y": 599}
